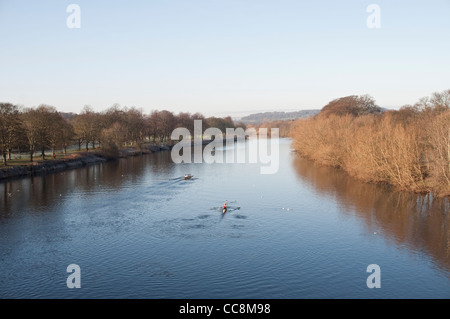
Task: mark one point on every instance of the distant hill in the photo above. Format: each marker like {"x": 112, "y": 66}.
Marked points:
{"x": 258, "y": 118}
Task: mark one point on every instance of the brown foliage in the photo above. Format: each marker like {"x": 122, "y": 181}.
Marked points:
{"x": 353, "y": 105}
{"x": 284, "y": 127}
{"x": 408, "y": 148}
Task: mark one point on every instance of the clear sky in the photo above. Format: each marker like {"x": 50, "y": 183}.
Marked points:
{"x": 221, "y": 57}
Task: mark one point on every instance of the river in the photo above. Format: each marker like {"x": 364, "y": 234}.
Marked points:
{"x": 137, "y": 230}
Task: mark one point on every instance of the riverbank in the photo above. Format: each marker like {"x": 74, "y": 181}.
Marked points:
{"x": 75, "y": 160}
{"x": 409, "y": 151}
{"x": 81, "y": 159}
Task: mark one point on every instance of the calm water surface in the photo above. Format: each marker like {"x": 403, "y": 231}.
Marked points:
{"x": 139, "y": 231}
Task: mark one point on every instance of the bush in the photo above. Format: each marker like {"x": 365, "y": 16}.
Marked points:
{"x": 409, "y": 148}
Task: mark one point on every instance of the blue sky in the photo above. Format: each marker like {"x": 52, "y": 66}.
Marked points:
{"x": 221, "y": 57}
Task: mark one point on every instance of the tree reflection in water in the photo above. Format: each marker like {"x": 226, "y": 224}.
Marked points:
{"x": 418, "y": 222}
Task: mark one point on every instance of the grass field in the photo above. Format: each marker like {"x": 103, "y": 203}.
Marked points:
{"x": 24, "y": 160}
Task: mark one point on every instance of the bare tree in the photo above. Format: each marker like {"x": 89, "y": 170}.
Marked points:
{"x": 353, "y": 104}
{"x": 86, "y": 127}
{"x": 9, "y": 129}
{"x": 32, "y": 128}
{"x": 67, "y": 134}
{"x": 136, "y": 126}
{"x": 167, "y": 124}
{"x": 153, "y": 124}
{"x": 57, "y": 129}
{"x": 441, "y": 100}
{"x": 113, "y": 138}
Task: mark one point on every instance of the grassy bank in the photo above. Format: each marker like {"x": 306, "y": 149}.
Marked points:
{"x": 19, "y": 167}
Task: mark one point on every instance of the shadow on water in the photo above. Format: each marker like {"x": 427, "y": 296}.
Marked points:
{"x": 418, "y": 222}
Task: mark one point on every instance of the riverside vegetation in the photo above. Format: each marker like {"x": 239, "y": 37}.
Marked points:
{"x": 408, "y": 148}
{"x": 77, "y": 139}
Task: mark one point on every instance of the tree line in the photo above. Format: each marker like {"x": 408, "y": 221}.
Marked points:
{"x": 43, "y": 128}
{"x": 284, "y": 127}
{"x": 408, "y": 148}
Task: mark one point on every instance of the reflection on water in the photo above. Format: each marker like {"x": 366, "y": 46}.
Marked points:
{"x": 418, "y": 222}
{"x": 139, "y": 230}
{"x": 42, "y": 191}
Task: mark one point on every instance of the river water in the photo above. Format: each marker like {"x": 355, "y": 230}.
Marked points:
{"x": 137, "y": 230}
